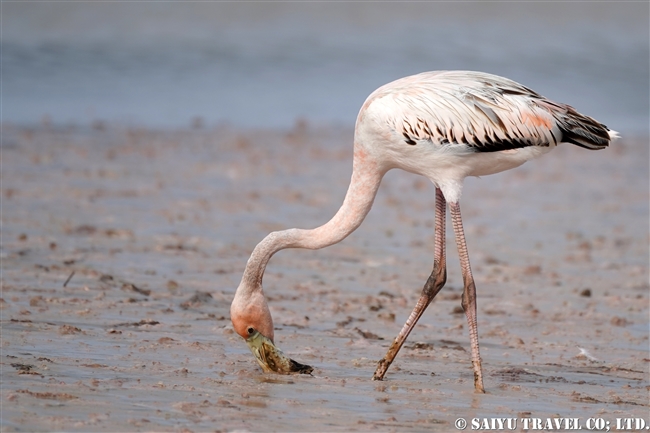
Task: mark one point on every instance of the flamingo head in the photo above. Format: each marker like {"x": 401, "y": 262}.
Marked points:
{"x": 250, "y": 313}
{"x": 252, "y": 320}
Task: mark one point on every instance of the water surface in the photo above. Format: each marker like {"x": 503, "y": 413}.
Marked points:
{"x": 252, "y": 64}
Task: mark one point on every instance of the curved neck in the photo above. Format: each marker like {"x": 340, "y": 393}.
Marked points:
{"x": 366, "y": 177}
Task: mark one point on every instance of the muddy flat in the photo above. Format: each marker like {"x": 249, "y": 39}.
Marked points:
{"x": 122, "y": 249}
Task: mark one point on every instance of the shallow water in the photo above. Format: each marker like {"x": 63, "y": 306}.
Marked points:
{"x": 265, "y": 65}
{"x": 157, "y": 227}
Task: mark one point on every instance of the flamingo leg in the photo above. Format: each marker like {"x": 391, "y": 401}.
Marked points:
{"x": 469, "y": 294}
{"x": 434, "y": 283}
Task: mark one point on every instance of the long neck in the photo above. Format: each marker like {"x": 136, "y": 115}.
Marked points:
{"x": 366, "y": 177}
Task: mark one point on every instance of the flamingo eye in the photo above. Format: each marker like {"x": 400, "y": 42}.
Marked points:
{"x": 250, "y": 331}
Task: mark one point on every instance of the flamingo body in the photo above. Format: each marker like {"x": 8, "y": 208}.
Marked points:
{"x": 448, "y": 125}
{"x": 444, "y": 125}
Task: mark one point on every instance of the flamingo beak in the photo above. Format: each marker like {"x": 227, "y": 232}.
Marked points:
{"x": 270, "y": 358}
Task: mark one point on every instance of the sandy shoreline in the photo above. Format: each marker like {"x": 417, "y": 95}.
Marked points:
{"x": 153, "y": 230}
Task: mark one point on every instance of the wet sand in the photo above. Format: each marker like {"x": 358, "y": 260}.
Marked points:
{"x": 122, "y": 248}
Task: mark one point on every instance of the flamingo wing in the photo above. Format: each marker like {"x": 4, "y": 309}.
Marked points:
{"x": 479, "y": 112}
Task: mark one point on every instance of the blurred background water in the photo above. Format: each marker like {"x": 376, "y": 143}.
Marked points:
{"x": 163, "y": 64}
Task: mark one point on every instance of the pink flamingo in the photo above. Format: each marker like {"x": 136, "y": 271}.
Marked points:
{"x": 444, "y": 125}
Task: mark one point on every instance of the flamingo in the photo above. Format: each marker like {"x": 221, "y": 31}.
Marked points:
{"x": 444, "y": 125}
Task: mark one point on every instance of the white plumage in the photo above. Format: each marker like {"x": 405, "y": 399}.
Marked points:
{"x": 463, "y": 123}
